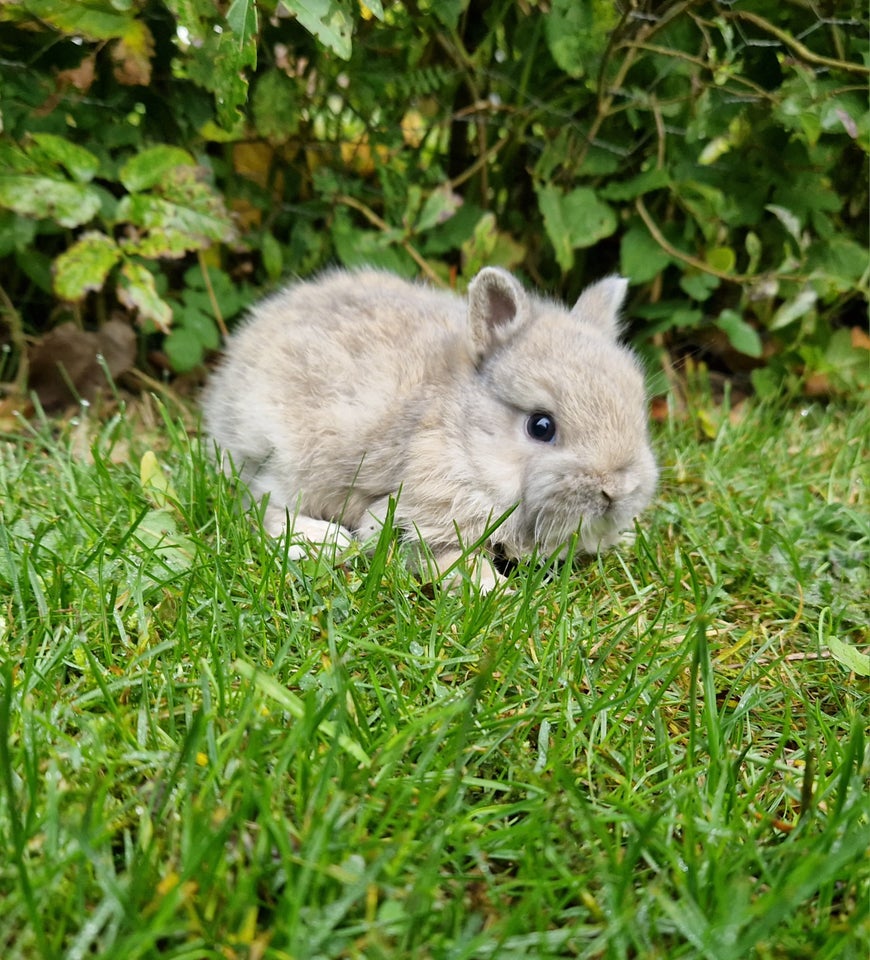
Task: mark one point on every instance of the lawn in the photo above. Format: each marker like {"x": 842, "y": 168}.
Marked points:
{"x": 208, "y": 750}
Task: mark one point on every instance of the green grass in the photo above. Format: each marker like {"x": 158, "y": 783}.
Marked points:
{"x": 207, "y": 750}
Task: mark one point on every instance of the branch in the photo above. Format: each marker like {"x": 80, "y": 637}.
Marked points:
{"x": 788, "y": 40}
{"x": 381, "y": 224}
{"x": 672, "y": 251}
{"x": 215, "y": 306}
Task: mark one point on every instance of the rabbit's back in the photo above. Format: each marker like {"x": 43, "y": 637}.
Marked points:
{"x": 327, "y": 378}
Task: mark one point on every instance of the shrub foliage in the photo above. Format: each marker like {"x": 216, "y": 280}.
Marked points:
{"x": 161, "y": 161}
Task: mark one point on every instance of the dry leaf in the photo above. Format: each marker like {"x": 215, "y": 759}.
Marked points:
{"x": 80, "y": 77}
{"x": 131, "y": 56}
{"x": 14, "y": 411}
{"x": 817, "y": 385}
{"x": 65, "y": 364}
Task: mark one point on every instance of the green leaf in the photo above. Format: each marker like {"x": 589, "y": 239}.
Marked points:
{"x": 276, "y": 107}
{"x": 439, "y": 207}
{"x": 490, "y": 247}
{"x": 158, "y": 533}
{"x": 574, "y": 220}
{"x": 844, "y": 358}
{"x": 80, "y": 163}
{"x": 846, "y": 654}
{"x": 230, "y": 296}
{"x": 578, "y": 32}
{"x": 137, "y": 291}
{"x": 92, "y": 21}
{"x": 640, "y": 256}
{"x": 191, "y": 217}
{"x": 328, "y": 21}
{"x": 451, "y": 234}
{"x": 220, "y": 60}
{"x": 741, "y": 335}
{"x": 754, "y": 248}
{"x": 152, "y": 166}
{"x": 794, "y": 309}
{"x": 788, "y": 219}
{"x": 699, "y": 285}
{"x": 841, "y": 261}
{"x": 16, "y": 233}
{"x": 69, "y": 204}
{"x": 242, "y": 20}
{"x": 201, "y": 325}
{"x": 448, "y": 11}
{"x": 357, "y": 248}
{"x": 646, "y": 182}
{"x": 184, "y": 349}
{"x": 273, "y": 257}
{"x": 84, "y": 266}
{"x": 155, "y": 484}
{"x": 13, "y": 158}
{"x": 196, "y": 16}
{"x": 722, "y": 259}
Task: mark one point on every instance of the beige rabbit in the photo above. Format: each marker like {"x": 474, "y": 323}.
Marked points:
{"x": 343, "y": 392}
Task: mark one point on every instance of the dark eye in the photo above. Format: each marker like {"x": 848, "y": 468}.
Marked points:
{"x": 541, "y": 426}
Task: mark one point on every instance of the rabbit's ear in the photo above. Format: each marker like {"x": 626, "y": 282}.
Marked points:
{"x": 497, "y": 308}
{"x": 600, "y": 303}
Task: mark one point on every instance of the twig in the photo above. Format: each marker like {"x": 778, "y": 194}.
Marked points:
{"x": 788, "y": 40}
{"x": 697, "y": 62}
{"x": 19, "y": 341}
{"x": 155, "y": 385}
{"x": 605, "y": 101}
{"x": 672, "y": 251}
{"x": 381, "y": 224}
{"x": 701, "y": 265}
{"x": 481, "y": 161}
{"x": 218, "y": 315}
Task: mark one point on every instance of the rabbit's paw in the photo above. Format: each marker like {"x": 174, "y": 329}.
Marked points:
{"x": 307, "y": 534}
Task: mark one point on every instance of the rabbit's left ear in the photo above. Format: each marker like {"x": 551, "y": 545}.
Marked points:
{"x": 497, "y": 308}
{"x": 600, "y": 303}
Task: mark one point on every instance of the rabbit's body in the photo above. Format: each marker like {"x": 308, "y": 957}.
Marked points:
{"x": 343, "y": 392}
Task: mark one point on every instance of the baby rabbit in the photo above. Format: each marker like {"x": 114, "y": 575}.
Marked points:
{"x": 343, "y": 392}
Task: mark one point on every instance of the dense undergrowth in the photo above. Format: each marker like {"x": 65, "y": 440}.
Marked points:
{"x": 162, "y": 162}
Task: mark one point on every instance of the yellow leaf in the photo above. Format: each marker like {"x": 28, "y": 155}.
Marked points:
{"x": 413, "y": 128}
{"x": 707, "y": 424}
{"x": 168, "y": 883}
{"x": 155, "y": 484}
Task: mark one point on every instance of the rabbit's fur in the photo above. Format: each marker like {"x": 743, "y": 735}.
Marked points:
{"x": 341, "y": 393}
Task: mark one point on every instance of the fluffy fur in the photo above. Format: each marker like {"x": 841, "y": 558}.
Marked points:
{"x": 340, "y": 393}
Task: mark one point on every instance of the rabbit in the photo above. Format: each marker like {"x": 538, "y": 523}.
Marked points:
{"x": 357, "y": 393}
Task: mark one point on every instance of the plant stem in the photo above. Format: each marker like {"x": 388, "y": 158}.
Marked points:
{"x": 218, "y": 315}
{"x": 381, "y": 224}
{"x": 788, "y": 40}
{"x": 19, "y": 341}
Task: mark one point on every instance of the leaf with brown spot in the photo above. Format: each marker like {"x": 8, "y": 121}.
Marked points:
{"x": 132, "y": 54}
{"x": 138, "y": 291}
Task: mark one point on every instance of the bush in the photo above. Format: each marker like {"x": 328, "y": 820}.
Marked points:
{"x": 162, "y": 161}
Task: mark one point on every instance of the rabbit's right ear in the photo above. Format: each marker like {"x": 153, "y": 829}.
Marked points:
{"x": 599, "y": 305}
{"x": 497, "y": 308}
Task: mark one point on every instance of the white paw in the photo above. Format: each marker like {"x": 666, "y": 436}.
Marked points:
{"x": 307, "y": 535}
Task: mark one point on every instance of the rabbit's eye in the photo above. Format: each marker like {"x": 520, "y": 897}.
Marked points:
{"x": 541, "y": 426}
